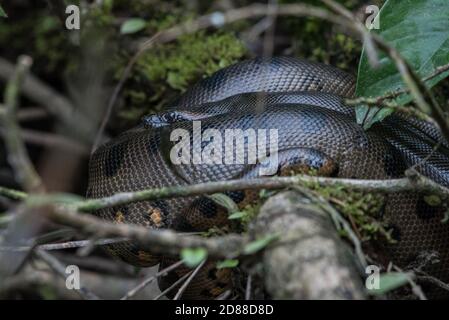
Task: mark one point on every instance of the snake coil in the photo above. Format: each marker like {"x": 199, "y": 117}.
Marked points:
{"x": 303, "y": 101}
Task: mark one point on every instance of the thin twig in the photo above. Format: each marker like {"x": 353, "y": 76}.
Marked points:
{"x": 50, "y": 140}
{"x": 428, "y": 278}
{"x": 13, "y": 194}
{"x": 189, "y": 280}
{"x": 174, "y": 285}
{"x": 248, "y": 288}
{"x": 415, "y": 287}
{"x": 224, "y": 295}
{"x": 131, "y": 293}
{"x": 384, "y": 99}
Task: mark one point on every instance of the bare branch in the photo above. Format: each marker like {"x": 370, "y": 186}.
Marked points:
{"x": 18, "y": 158}
{"x": 189, "y": 280}
{"x": 147, "y": 281}
{"x": 54, "y": 102}
{"x": 415, "y": 183}
{"x": 154, "y": 240}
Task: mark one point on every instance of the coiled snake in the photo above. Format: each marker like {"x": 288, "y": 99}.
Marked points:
{"x": 303, "y": 101}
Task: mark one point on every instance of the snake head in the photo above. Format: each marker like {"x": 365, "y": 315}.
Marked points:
{"x": 161, "y": 120}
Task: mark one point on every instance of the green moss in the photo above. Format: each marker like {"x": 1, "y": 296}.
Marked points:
{"x": 361, "y": 209}
{"x": 166, "y": 71}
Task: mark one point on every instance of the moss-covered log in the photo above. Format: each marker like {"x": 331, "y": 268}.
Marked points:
{"x": 310, "y": 260}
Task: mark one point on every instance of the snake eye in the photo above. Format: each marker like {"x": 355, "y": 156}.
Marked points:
{"x": 168, "y": 117}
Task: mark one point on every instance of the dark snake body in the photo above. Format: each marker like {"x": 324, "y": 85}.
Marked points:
{"x": 302, "y": 100}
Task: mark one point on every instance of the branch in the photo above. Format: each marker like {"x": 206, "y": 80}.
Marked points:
{"x": 414, "y": 182}
{"x": 51, "y": 140}
{"x": 18, "y": 158}
{"x": 154, "y": 240}
{"x": 316, "y": 263}
{"x": 383, "y": 100}
{"x": 131, "y": 293}
{"x": 57, "y": 104}
{"x": 12, "y": 194}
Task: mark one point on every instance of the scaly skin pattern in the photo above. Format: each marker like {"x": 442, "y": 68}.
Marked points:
{"x": 304, "y": 102}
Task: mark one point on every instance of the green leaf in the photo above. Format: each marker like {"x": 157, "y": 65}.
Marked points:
{"x": 229, "y": 263}
{"x": 3, "y": 13}
{"x": 224, "y": 201}
{"x": 132, "y": 25}
{"x": 193, "y": 257}
{"x": 259, "y": 244}
{"x": 390, "y": 281}
{"x": 418, "y": 30}
{"x": 238, "y": 215}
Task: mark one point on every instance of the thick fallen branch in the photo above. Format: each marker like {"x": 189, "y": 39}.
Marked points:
{"x": 309, "y": 260}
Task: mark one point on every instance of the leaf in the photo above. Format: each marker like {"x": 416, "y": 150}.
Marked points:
{"x": 238, "y": 215}
{"x": 229, "y": 263}
{"x": 418, "y": 30}
{"x": 390, "y": 281}
{"x": 132, "y": 25}
{"x": 224, "y": 201}
{"x": 193, "y": 257}
{"x": 259, "y": 244}
{"x": 3, "y": 13}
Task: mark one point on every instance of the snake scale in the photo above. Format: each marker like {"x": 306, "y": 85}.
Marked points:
{"x": 316, "y": 130}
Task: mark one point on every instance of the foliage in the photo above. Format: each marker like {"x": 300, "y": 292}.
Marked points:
{"x": 362, "y": 209}
{"x": 390, "y": 281}
{"x": 259, "y": 244}
{"x": 193, "y": 257}
{"x": 168, "y": 70}
{"x": 229, "y": 263}
{"x": 3, "y": 13}
{"x": 132, "y": 25}
{"x": 423, "y": 43}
